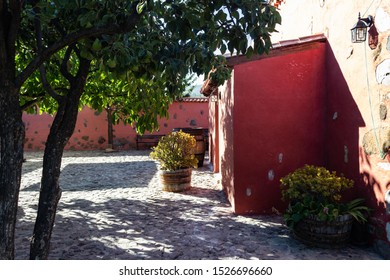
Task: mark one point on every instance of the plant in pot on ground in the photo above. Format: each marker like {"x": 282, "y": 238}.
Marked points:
{"x": 176, "y": 154}
{"x": 315, "y": 212}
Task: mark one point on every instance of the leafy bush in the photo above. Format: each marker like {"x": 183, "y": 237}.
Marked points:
{"x": 315, "y": 191}
{"x": 315, "y": 182}
{"x": 175, "y": 151}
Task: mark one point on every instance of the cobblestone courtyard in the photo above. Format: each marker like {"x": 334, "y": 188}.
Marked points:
{"x": 112, "y": 208}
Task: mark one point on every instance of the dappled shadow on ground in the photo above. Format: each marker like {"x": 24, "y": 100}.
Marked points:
{"x": 103, "y": 153}
{"x": 90, "y": 176}
{"x": 164, "y": 228}
{"x": 31, "y": 165}
{"x": 93, "y": 176}
{"x": 174, "y": 227}
{"x": 196, "y": 224}
{"x": 199, "y": 192}
{"x": 106, "y": 212}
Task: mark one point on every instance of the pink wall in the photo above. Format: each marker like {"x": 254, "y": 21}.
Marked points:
{"x": 91, "y": 128}
{"x": 213, "y": 135}
{"x": 226, "y": 141}
{"x": 278, "y": 124}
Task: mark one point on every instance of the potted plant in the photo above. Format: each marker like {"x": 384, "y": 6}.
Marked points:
{"x": 175, "y": 153}
{"x": 315, "y": 212}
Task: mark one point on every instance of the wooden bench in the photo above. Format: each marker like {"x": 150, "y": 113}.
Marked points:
{"x": 149, "y": 139}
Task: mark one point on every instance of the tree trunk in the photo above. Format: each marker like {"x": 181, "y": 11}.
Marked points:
{"x": 110, "y": 128}
{"x": 50, "y": 192}
{"x": 11, "y": 153}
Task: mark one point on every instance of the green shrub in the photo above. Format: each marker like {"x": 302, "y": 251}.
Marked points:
{"x": 315, "y": 191}
{"x": 175, "y": 151}
{"x": 316, "y": 182}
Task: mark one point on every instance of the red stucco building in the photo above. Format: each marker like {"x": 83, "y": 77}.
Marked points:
{"x": 271, "y": 120}
{"x": 317, "y": 100}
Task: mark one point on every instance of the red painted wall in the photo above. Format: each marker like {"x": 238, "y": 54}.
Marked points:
{"x": 91, "y": 128}
{"x": 226, "y": 142}
{"x": 213, "y": 135}
{"x": 278, "y": 107}
{"x": 358, "y": 100}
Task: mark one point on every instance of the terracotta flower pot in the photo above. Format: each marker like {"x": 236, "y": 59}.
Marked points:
{"x": 176, "y": 181}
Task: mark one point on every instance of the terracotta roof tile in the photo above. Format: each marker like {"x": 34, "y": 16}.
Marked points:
{"x": 193, "y": 99}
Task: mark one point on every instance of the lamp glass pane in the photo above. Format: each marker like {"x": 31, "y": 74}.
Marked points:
{"x": 361, "y": 34}
{"x": 353, "y": 35}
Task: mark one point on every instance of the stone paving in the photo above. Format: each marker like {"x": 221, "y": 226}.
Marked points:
{"x": 112, "y": 208}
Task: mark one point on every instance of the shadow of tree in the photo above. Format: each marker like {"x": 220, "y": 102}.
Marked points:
{"x": 31, "y": 165}
{"x": 140, "y": 222}
{"x": 94, "y": 176}
{"x": 76, "y": 177}
{"x": 175, "y": 226}
{"x": 163, "y": 228}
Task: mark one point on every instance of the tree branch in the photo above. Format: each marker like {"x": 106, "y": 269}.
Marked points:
{"x": 58, "y": 26}
{"x": 64, "y": 64}
{"x": 31, "y": 103}
{"x": 232, "y": 19}
{"x": 46, "y": 84}
{"x": 72, "y": 38}
{"x": 15, "y": 7}
{"x": 82, "y": 74}
{"x": 42, "y": 71}
{"x": 3, "y": 48}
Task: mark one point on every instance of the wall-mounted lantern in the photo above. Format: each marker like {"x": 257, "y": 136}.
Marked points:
{"x": 359, "y": 30}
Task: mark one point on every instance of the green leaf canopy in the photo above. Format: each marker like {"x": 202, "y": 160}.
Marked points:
{"x": 142, "y": 70}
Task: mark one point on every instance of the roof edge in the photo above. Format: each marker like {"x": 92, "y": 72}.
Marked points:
{"x": 280, "y": 48}
{"x": 193, "y": 99}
